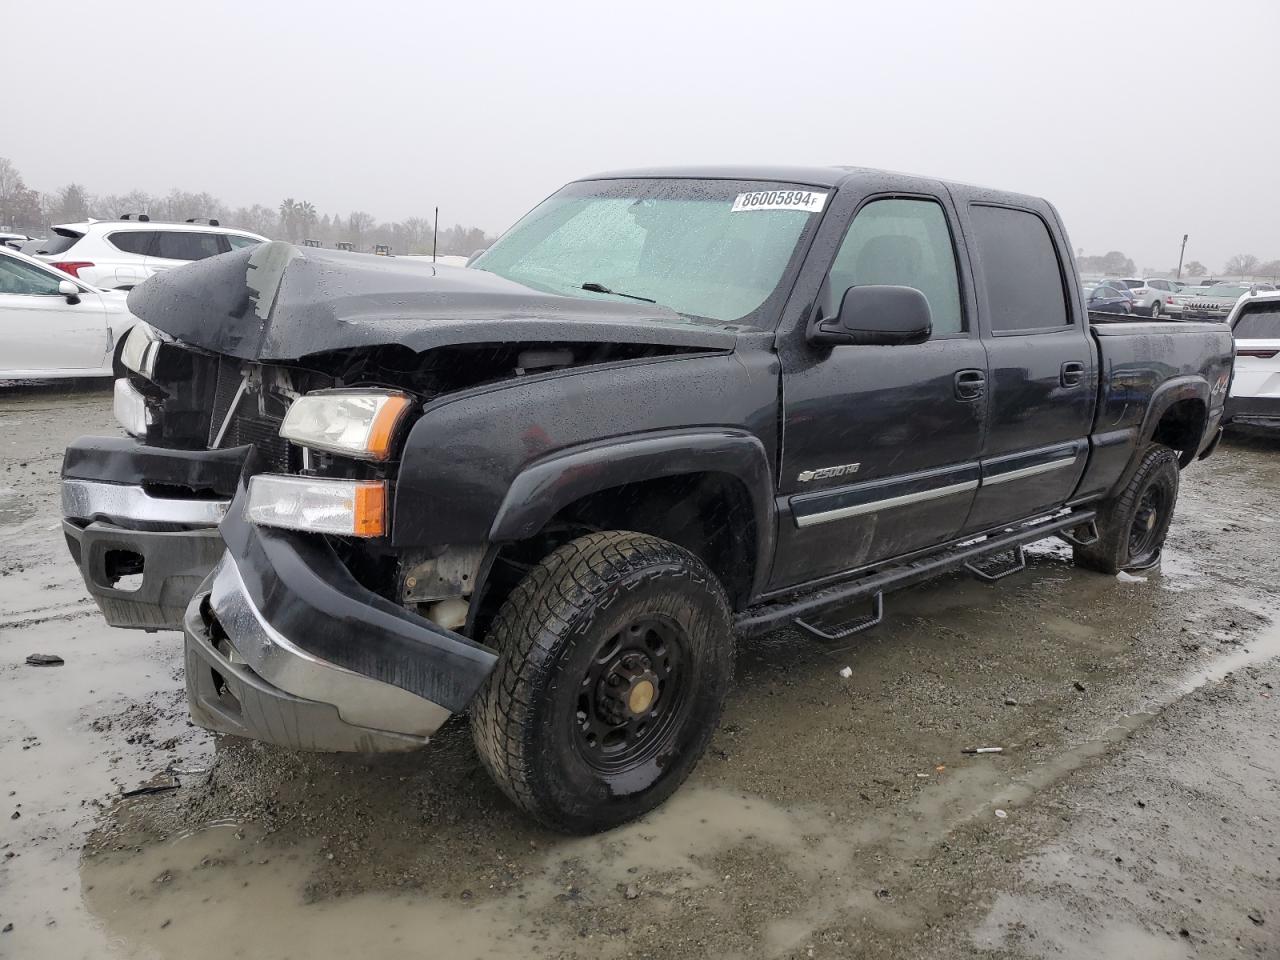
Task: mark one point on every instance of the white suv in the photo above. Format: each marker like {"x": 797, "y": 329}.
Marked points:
{"x": 1151, "y": 295}
{"x": 1255, "y": 385}
{"x": 122, "y": 253}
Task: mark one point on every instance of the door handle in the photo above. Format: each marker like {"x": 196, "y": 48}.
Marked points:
{"x": 1072, "y": 373}
{"x": 970, "y": 384}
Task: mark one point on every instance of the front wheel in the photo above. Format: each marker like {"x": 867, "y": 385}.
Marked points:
{"x": 614, "y": 657}
{"x": 1132, "y": 526}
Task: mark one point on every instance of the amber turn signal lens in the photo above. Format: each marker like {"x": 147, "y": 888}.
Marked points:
{"x": 370, "y": 518}
{"x": 383, "y": 430}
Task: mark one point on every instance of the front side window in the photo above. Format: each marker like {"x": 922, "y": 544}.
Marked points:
{"x": 23, "y": 279}
{"x": 239, "y": 243}
{"x": 185, "y": 245}
{"x": 1020, "y": 270}
{"x": 903, "y": 243}
{"x": 719, "y": 249}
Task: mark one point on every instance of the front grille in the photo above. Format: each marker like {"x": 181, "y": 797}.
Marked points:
{"x": 264, "y": 434}
{"x": 247, "y": 426}
{"x": 229, "y": 375}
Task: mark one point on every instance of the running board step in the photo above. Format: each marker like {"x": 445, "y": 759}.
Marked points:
{"x": 847, "y": 629}
{"x": 982, "y": 569}
{"x": 1086, "y": 534}
{"x": 804, "y": 609}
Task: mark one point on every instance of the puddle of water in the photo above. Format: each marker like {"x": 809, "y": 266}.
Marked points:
{"x": 226, "y": 891}
{"x": 1005, "y": 928}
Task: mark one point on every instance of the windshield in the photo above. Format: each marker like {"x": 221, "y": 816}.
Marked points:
{"x": 704, "y": 248}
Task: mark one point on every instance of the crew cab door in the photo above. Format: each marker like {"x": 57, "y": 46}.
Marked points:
{"x": 880, "y": 443}
{"x": 1043, "y": 383}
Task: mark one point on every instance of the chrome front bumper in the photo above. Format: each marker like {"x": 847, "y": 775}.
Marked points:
{"x": 90, "y": 500}
{"x": 264, "y": 686}
{"x": 141, "y": 556}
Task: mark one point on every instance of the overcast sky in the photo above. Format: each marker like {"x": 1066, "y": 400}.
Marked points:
{"x": 1140, "y": 121}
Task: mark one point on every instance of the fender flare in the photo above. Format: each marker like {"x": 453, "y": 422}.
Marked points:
{"x": 546, "y": 486}
{"x": 1166, "y": 395}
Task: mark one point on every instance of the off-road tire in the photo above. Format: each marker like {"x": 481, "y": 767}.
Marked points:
{"x": 1157, "y": 471}
{"x": 527, "y": 721}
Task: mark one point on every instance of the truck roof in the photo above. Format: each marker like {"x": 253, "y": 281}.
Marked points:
{"x": 832, "y": 176}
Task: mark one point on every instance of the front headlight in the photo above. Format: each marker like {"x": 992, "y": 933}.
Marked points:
{"x": 140, "y": 349}
{"x": 352, "y": 508}
{"x": 355, "y": 423}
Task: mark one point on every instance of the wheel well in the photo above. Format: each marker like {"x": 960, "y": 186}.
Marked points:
{"x": 1181, "y": 427}
{"x": 709, "y": 514}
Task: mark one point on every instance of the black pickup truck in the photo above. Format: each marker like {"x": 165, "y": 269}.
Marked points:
{"x": 667, "y": 409}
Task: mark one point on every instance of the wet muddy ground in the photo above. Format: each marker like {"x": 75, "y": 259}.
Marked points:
{"x": 1134, "y": 811}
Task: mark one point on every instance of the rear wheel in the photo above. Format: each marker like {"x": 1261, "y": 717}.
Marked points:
{"x": 1132, "y": 527}
{"x": 1155, "y": 310}
{"x": 615, "y": 655}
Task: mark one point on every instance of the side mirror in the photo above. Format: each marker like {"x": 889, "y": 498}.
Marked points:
{"x": 471, "y": 259}
{"x": 69, "y": 290}
{"x": 876, "y": 316}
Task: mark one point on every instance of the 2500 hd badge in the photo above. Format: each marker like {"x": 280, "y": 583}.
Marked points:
{"x": 552, "y": 490}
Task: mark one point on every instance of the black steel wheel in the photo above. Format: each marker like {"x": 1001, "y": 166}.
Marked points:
{"x": 1133, "y": 525}
{"x": 615, "y": 655}
{"x": 633, "y": 694}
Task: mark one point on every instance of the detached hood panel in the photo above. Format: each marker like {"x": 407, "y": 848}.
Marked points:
{"x": 281, "y": 302}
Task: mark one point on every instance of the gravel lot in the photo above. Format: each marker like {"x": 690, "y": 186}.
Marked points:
{"x": 1134, "y": 810}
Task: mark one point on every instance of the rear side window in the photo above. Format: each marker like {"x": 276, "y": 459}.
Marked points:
{"x": 60, "y": 241}
{"x": 185, "y": 245}
{"x": 134, "y": 241}
{"x": 905, "y": 243}
{"x": 1020, "y": 269}
{"x": 1259, "y": 324}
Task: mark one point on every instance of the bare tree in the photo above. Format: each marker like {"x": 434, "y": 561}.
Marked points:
{"x": 12, "y": 188}
{"x": 69, "y": 205}
{"x": 1241, "y": 265}
{"x": 1195, "y": 269}
{"x": 358, "y": 224}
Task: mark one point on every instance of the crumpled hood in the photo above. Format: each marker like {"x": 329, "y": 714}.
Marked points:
{"x": 277, "y": 301}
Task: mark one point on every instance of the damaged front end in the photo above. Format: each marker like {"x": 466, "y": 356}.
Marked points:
{"x": 258, "y": 524}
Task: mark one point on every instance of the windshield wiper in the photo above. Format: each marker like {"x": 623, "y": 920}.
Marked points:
{"x": 601, "y": 288}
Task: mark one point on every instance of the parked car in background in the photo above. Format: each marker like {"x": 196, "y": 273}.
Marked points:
{"x": 1102, "y": 298}
{"x": 1176, "y": 302}
{"x": 13, "y": 240}
{"x": 1255, "y": 389}
{"x": 1150, "y": 296}
{"x": 1217, "y": 302}
{"x": 54, "y": 325}
{"x": 120, "y": 254}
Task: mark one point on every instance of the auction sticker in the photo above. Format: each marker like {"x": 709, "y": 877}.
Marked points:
{"x": 810, "y": 201}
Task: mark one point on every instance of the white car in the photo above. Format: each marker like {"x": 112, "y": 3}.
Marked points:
{"x": 1255, "y": 386}
{"x": 120, "y": 254}
{"x": 1150, "y": 295}
{"x": 53, "y": 325}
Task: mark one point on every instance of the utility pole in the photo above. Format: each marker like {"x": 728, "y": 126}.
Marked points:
{"x": 1181, "y": 253}
{"x": 435, "y": 232}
